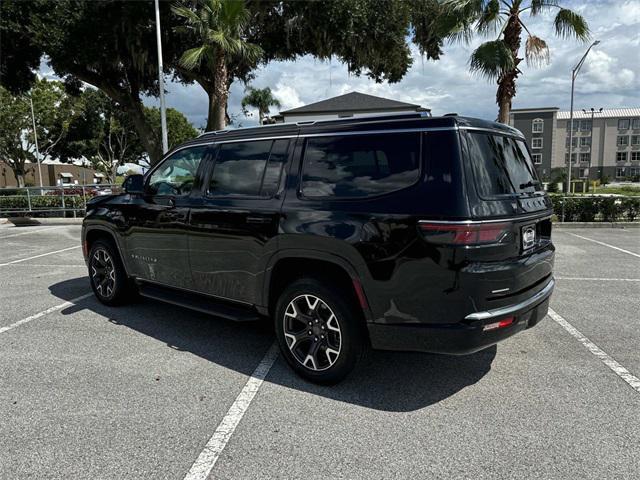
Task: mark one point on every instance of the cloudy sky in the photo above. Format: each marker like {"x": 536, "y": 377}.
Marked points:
{"x": 610, "y": 77}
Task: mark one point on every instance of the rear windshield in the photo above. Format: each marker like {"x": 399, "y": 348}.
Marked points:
{"x": 501, "y": 165}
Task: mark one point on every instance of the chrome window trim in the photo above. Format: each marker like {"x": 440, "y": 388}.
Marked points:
{"x": 539, "y": 217}
{"x": 499, "y": 312}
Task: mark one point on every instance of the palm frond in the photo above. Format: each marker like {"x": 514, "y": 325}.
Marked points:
{"x": 492, "y": 59}
{"x": 193, "y": 57}
{"x": 570, "y": 24}
{"x": 185, "y": 12}
{"x": 490, "y": 17}
{"x": 536, "y": 51}
{"x": 538, "y": 6}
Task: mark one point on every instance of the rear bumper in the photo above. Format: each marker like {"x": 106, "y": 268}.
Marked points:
{"x": 464, "y": 337}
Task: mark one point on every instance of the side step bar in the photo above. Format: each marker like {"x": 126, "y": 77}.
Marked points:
{"x": 198, "y": 302}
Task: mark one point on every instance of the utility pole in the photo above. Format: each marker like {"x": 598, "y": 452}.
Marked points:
{"x": 35, "y": 137}
{"x": 574, "y": 74}
{"x": 163, "y": 108}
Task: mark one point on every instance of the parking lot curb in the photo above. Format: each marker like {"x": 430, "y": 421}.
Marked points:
{"x": 596, "y": 225}
{"x": 27, "y": 221}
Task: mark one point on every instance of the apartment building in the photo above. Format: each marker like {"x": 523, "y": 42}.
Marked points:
{"x": 604, "y": 142}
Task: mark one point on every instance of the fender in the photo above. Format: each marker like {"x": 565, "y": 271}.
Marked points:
{"x": 337, "y": 260}
{"x": 114, "y": 235}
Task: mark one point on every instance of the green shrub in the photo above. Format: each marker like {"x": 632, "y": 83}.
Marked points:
{"x": 631, "y": 208}
{"x": 610, "y": 208}
{"x": 587, "y": 209}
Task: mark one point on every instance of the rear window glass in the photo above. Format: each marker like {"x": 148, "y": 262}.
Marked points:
{"x": 352, "y": 166}
{"x": 501, "y": 165}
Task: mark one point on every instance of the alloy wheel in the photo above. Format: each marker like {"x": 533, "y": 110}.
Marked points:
{"x": 312, "y": 332}
{"x": 103, "y": 272}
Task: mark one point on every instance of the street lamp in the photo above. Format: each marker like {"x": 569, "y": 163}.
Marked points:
{"x": 574, "y": 74}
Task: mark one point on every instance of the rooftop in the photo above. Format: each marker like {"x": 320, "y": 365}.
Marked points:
{"x": 606, "y": 113}
{"x": 354, "y": 102}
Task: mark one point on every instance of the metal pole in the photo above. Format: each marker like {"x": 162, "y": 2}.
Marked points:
{"x": 35, "y": 137}
{"x": 163, "y": 108}
{"x": 573, "y": 81}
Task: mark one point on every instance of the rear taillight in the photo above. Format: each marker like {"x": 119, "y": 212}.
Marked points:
{"x": 501, "y": 324}
{"x": 467, "y": 234}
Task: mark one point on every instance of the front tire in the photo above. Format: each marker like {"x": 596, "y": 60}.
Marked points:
{"x": 320, "y": 332}
{"x": 108, "y": 278}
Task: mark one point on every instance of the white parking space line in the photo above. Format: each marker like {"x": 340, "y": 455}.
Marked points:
{"x": 618, "y": 369}
{"x": 202, "y": 467}
{"x": 38, "y": 256}
{"x": 47, "y": 229}
{"x": 44, "y": 312}
{"x": 50, "y": 265}
{"x": 605, "y": 244}
{"x": 599, "y": 279}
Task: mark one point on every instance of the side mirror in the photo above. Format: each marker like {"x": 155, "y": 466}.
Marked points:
{"x": 134, "y": 184}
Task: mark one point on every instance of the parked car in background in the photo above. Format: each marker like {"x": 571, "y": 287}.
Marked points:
{"x": 401, "y": 232}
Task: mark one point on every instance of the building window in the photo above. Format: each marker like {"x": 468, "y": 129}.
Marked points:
{"x": 623, "y": 140}
{"x": 634, "y": 171}
{"x": 621, "y": 156}
{"x": 585, "y": 126}
{"x": 635, "y": 140}
{"x": 585, "y": 157}
{"x": 620, "y": 172}
{"x": 574, "y": 156}
{"x": 536, "y": 142}
{"x": 636, "y": 124}
{"x": 574, "y": 142}
{"x": 635, "y": 156}
{"x": 584, "y": 173}
{"x": 538, "y": 125}
{"x": 623, "y": 124}
{"x": 537, "y": 158}
{"x": 585, "y": 141}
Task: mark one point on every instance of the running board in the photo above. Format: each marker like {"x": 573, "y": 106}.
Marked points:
{"x": 200, "y": 303}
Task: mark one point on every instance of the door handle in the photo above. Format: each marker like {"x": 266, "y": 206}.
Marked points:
{"x": 259, "y": 220}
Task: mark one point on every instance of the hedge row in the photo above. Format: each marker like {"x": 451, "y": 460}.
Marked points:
{"x": 41, "y": 202}
{"x": 596, "y": 209}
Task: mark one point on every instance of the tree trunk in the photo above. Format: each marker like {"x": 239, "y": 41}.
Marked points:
{"x": 261, "y": 116}
{"x": 146, "y": 134}
{"x": 20, "y": 179}
{"x": 217, "y": 120}
{"x": 507, "y": 81}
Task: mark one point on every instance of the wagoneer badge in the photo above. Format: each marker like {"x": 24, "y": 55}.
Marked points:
{"x": 528, "y": 236}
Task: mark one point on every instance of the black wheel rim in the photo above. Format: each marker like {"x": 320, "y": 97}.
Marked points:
{"x": 312, "y": 332}
{"x": 103, "y": 274}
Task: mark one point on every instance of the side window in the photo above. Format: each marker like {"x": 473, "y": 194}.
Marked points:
{"x": 249, "y": 168}
{"x": 352, "y": 166}
{"x": 176, "y": 175}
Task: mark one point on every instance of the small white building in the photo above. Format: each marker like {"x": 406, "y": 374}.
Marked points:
{"x": 354, "y": 104}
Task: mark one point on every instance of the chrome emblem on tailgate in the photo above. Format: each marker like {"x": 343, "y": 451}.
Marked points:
{"x": 528, "y": 236}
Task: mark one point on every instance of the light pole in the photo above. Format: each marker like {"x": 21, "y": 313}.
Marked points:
{"x": 574, "y": 74}
{"x": 163, "y": 108}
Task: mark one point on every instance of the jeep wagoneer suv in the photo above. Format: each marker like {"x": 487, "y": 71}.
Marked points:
{"x": 401, "y": 232}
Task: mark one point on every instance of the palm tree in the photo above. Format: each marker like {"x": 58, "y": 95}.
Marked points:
{"x": 260, "y": 98}
{"x": 498, "y": 59}
{"x": 218, "y": 26}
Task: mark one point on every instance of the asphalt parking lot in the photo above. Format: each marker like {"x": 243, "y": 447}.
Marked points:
{"x": 144, "y": 391}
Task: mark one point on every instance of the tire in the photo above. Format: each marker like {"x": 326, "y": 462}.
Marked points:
{"x": 337, "y": 340}
{"x": 108, "y": 278}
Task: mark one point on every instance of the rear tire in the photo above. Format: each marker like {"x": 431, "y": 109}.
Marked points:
{"x": 107, "y": 275}
{"x": 320, "y": 330}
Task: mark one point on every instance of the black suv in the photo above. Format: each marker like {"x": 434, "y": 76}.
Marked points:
{"x": 402, "y": 232}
